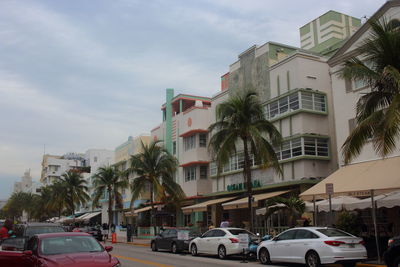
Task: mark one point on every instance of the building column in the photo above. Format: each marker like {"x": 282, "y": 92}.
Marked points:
{"x": 168, "y": 109}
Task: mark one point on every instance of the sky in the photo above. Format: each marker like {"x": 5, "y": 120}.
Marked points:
{"x": 82, "y": 74}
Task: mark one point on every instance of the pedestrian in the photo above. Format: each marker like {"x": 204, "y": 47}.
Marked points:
{"x": 211, "y": 226}
{"x": 7, "y": 230}
{"x": 129, "y": 233}
{"x": 112, "y": 228}
{"x": 104, "y": 231}
{"x": 225, "y": 223}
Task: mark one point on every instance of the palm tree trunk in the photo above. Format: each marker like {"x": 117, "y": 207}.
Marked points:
{"x": 152, "y": 213}
{"x": 247, "y": 176}
{"x": 110, "y": 214}
{"x": 73, "y": 209}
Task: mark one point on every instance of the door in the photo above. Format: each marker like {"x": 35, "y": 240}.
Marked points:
{"x": 173, "y": 234}
{"x": 216, "y": 240}
{"x": 203, "y": 244}
{"x": 10, "y": 256}
{"x": 163, "y": 241}
{"x": 279, "y": 249}
{"x": 301, "y": 244}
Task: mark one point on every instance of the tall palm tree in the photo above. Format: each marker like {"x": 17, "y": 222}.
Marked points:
{"x": 378, "y": 111}
{"x": 75, "y": 189}
{"x": 59, "y": 197}
{"x": 241, "y": 124}
{"x": 109, "y": 180}
{"x": 155, "y": 166}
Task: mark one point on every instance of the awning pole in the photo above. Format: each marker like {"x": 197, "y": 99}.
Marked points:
{"x": 373, "y": 209}
{"x": 315, "y": 212}
{"x": 330, "y": 211}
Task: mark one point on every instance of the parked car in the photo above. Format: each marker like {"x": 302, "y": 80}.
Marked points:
{"x": 219, "y": 241}
{"x": 58, "y": 249}
{"x": 27, "y": 230}
{"x": 392, "y": 254}
{"x": 30, "y": 229}
{"x": 169, "y": 240}
{"x": 313, "y": 246}
{"x": 96, "y": 233}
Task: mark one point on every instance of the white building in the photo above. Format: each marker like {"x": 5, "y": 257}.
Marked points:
{"x": 26, "y": 184}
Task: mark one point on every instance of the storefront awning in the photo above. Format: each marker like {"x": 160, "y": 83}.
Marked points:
{"x": 89, "y": 216}
{"x": 203, "y": 206}
{"x": 359, "y": 179}
{"x": 243, "y": 202}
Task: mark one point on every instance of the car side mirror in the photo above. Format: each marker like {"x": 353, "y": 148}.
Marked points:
{"x": 27, "y": 252}
{"x": 108, "y": 248}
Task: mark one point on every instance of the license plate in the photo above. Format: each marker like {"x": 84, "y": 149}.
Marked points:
{"x": 351, "y": 245}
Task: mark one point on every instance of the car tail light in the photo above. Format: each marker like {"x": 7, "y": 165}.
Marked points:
{"x": 234, "y": 240}
{"x": 334, "y": 243}
{"x": 362, "y": 242}
{"x": 390, "y": 241}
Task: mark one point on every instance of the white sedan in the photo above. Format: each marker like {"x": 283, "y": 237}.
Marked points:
{"x": 313, "y": 246}
{"x": 219, "y": 241}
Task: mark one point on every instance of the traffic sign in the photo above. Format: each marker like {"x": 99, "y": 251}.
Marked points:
{"x": 329, "y": 188}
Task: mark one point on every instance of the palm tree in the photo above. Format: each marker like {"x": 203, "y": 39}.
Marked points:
{"x": 59, "y": 197}
{"x": 378, "y": 111}
{"x": 109, "y": 180}
{"x": 75, "y": 189}
{"x": 155, "y": 166}
{"x": 294, "y": 205}
{"x": 241, "y": 124}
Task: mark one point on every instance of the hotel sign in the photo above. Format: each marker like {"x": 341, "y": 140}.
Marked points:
{"x": 241, "y": 186}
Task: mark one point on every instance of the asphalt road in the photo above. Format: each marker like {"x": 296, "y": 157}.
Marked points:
{"x": 139, "y": 256}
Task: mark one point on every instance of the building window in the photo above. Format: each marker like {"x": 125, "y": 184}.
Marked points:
{"x": 189, "y": 142}
{"x": 95, "y": 159}
{"x": 358, "y": 84}
{"x": 187, "y": 220}
{"x": 174, "y": 148}
{"x": 213, "y": 169}
{"x": 309, "y": 101}
{"x": 203, "y": 172}
{"x": 190, "y": 173}
{"x": 203, "y": 140}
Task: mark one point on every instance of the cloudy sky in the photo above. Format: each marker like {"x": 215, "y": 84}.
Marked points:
{"x": 80, "y": 74}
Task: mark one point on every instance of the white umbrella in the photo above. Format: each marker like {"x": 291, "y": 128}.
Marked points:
{"x": 362, "y": 203}
{"x": 338, "y": 203}
{"x": 389, "y": 200}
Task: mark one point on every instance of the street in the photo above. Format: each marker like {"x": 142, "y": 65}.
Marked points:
{"x": 131, "y": 255}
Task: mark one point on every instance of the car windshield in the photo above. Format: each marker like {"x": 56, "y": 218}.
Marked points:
{"x": 31, "y": 231}
{"x": 330, "y": 232}
{"x": 69, "y": 244}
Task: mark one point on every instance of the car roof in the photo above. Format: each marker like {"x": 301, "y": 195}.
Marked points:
{"x": 38, "y": 224}
{"x": 60, "y": 234}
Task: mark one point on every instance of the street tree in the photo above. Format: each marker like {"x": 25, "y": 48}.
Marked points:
{"x": 154, "y": 166}
{"x": 76, "y": 189}
{"x": 109, "y": 181}
{"x": 241, "y": 125}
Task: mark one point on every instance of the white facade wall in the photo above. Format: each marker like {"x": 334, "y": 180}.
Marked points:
{"x": 345, "y": 102}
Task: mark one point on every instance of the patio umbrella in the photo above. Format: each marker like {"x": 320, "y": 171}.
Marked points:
{"x": 389, "y": 200}
{"x": 338, "y": 203}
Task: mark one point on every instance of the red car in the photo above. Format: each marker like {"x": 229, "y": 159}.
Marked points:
{"x": 57, "y": 249}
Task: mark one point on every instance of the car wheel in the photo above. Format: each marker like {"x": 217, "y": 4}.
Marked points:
{"x": 174, "y": 248}
{"x": 193, "y": 249}
{"x": 153, "y": 246}
{"x": 312, "y": 259}
{"x": 264, "y": 256}
{"x": 221, "y": 252}
{"x": 349, "y": 264}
